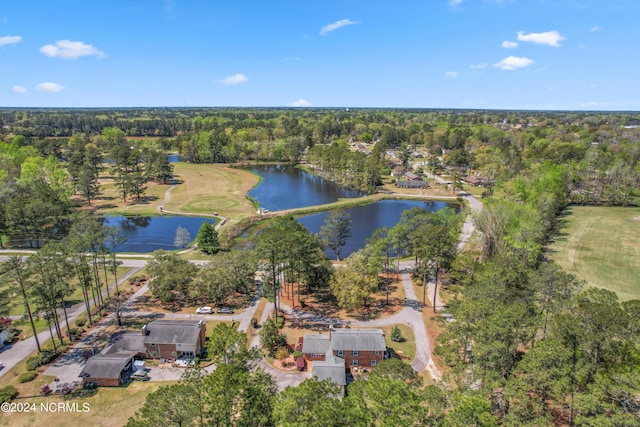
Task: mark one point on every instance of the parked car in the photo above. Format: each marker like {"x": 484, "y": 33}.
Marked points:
{"x": 140, "y": 376}
{"x": 204, "y": 310}
{"x": 184, "y": 361}
{"x": 225, "y": 310}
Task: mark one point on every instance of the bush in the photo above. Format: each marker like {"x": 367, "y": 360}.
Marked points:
{"x": 396, "y": 335}
{"x": 303, "y": 304}
{"x": 297, "y": 354}
{"x": 74, "y": 334}
{"x": 33, "y": 363}
{"x": 47, "y": 356}
{"x": 282, "y": 353}
{"x": 27, "y": 376}
{"x": 81, "y": 322}
{"x": 254, "y": 322}
{"x": 280, "y": 322}
{"x": 8, "y": 393}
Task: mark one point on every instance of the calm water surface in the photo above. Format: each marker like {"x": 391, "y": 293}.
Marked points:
{"x": 286, "y": 187}
{"x": 366, "y": 219}
{"x": 150, "y": 233}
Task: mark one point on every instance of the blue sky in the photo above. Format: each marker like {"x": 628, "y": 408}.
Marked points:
{"x": 498, "y": 54}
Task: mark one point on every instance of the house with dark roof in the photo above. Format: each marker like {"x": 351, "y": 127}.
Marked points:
{"x": 108, "y": 370}
{"x": 333, "y": 353}
{"x": 162, "y": 338}
{"x": 174, "y": 338}
{"x": 412, "y": 176}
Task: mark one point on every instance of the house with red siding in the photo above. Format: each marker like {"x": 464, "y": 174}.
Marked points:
{"x": 172, "y": 339}
{"x": 333, "y": 353}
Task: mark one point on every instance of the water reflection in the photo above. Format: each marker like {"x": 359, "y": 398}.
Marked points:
{"x": 150, "y": 233}
{"x": 286, "y": 187}
{"x": 368, "y": 218}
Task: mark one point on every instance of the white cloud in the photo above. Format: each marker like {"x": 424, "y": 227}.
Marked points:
{"x": 595, "y": 28}
{"x": 18, "y": 90}
{"x": 478, "y": 66}
{"x": 593, "y": 85}
{"x": 454, "y": 3}
{"x": 509, "y": 45}
{"x": 513, "y": 63}
{"x": 549, "y": 38}
{"x": 234, "y": 79}
{"x": 4, "y": 20}
{"x": 301, "y": 103}
{"x": 67, "y": 49}
{"x": 451, "y": 74}
{"x": 10, "y": 40}
{"x": 338, "y": 24}
{"x": 49, "y": 87}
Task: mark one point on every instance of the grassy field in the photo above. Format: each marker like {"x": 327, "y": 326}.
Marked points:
{"x": 107, "y": 406}
{"x": 212, "y": 188}
{"x": 405, "y": 348}
{"x": 602, "y": 246}
{"x": 203, "y": 189}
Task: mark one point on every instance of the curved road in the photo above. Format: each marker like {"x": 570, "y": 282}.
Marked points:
{"x": 410, "y": 315}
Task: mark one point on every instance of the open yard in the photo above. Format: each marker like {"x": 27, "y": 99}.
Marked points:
{"x": 602, "y": 246}
{"x": 212, "y": 188}
{"x": 108, "y": 406}
{"x": 202, "y": 189}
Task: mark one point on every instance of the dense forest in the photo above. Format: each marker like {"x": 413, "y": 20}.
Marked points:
{"x": 531, "y": 345}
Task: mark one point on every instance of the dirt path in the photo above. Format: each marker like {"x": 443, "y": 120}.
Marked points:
{"x": 167, "y": 196}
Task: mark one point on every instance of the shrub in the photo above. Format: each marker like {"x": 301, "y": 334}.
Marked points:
{"x": 81, "y": 322}
{"x": 254, "y": 322}
{"x": 45, "y": 390}
{"x": 396, "y": 335}
{"x": 27, "y": 376}
{"x": 282, "y": 353}
{"x": 33, "y": 363}
{"x": 74, "y": 333}
{"x": 280, "y": 322}
{"x": 297, "y": 354}
{"x": 303, "y": 304}
{"x": 8, "y": 393}
{"x": 47, "y": 356}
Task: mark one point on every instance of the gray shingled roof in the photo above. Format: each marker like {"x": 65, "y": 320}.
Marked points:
{"x": 332, "y": 368}
{"x": 315, "y": 343}
{"x": 133, "y": 342}
{"x": 358, "y": 339}
{"x": 173, "y": 332}
{"x": 106, "y": 366}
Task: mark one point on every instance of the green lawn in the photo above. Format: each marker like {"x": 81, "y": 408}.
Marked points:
{"x": 212, "y": 188}
{"x": 406, "y": 347}
{"x": 602, "y": 246}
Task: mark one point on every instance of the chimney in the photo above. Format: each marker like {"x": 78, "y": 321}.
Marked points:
{"x": 144, "y": 330}
{"x": 330, "y": 329}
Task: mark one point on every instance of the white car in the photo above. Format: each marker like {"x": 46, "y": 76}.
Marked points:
{"x": 205, "y": 310}
{"x": 184, "y": 361}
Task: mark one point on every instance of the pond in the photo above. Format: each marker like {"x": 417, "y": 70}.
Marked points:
{"x": 286, "y": 187}
{"x": 150, "y": 233}
{"x": 368, "y": 218}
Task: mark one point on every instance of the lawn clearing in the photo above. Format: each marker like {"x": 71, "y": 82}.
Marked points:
{"x": 406, "y": 348}
{"x": 212, "y": 188}
{"x": 108, "y": 406}
{"x": 602, "y": 246}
